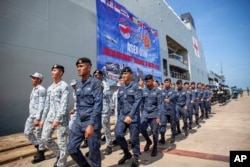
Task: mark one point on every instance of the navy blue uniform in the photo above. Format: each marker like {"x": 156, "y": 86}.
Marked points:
{"x": 211, "y": 93}
{"x": 207, "y": 101}
{"x": 151, "y": 110}
{"x": 129, "y": 98}
{"x": 194, "y": 105}
{"x": 191, "y": 106}
{"x": 183, "y": 99}
{"x": 200, "y": 101}
{"x": 89, "y": 97}
{"x": 168, "y": 109}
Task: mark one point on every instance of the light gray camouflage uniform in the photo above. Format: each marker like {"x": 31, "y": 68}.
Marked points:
{"x": 36, "y": 106}
{"x": 114, "y": 104}
{"x": 106, "y": 112}
{"x": 56, "y": 110}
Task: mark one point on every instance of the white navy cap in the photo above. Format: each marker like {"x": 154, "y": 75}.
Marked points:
{"x": 73, "y": 82}
{"x": 37, "y": 75}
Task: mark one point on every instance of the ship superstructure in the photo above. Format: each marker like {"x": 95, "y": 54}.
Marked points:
{"x": 37, "y": 34}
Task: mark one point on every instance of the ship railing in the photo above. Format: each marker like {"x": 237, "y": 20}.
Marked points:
{"x": 179, "y": 75}
{"x": 178, "y": 58}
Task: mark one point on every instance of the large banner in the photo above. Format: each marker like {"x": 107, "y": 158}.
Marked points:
{"x": 125, "y": 40}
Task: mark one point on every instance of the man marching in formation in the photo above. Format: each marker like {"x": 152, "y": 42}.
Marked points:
{"x": 168, "y": 110}
{"x": 55, "y": 116}
{"x": 129, "y": 98}
{"x": 140, "y": 109}
{"x": 106, "y": 111}
{"x": 88, "y": 124}
{"x": 36, "y": 106}
{"x": 151, "y": 113}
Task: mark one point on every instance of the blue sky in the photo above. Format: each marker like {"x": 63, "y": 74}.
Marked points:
{"x": 223, "y": 27}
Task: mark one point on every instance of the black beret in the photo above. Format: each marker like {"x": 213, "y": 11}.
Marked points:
{"x": 126, "y": 69}
{"x": 97, "y": 72}
{"x": 58, "y": 67}
{"x": 167, "y": 80}
{"x": 148, "y": 77}
{"x": 83, "y": 60}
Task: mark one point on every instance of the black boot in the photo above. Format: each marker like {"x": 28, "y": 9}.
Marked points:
{"x": 87, "y": 154}
{"x": 149, "y": 142}
{"x": 114, "y": 143}
{"x": 127, "y": 155}
{"x": 207, "y": 116}
{"x": 85, "y": 144}
{"x": 172, "y": 140}
{"x": 186, "y": 132}
{"x": 197, "y": 121}
{"x": 40, "y": 157}
{"x": 135, "y": 161}
{"x": 154, "y": 151}
{"x": 202, "y": 116}
{"x": 178, "y": 128}
{"x": 190, "y": 125}
{"x": 108, "y": 150}
{"x": 37, "y": 152}
{"x": 79, "y": 159}
{"x": 162, "y": 140}
{"x": 103, "y": 138}
{"x": 55, "y": 164}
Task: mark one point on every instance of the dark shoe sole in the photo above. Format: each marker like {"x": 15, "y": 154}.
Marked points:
{"x": 34, "y": 161}
{"x": 124, "y": 159}
{"x": 148, "y": 144}
{"x": 153, "y": 154}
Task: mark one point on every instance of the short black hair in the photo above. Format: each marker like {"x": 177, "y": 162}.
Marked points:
{"x": 167, "y": 80}
{"x": 126, "y": 69}
{"x": 148, "y": 77}
{"x": 179, "y": 82}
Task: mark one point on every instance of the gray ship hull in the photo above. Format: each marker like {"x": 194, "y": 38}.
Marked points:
{"x": 37, "y": 34}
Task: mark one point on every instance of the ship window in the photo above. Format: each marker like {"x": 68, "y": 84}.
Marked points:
{"x": 176, "y": 51}
{"x": 165, "y": 67}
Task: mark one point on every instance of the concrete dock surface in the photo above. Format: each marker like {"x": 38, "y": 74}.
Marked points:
{"x": 209, "y": 145}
